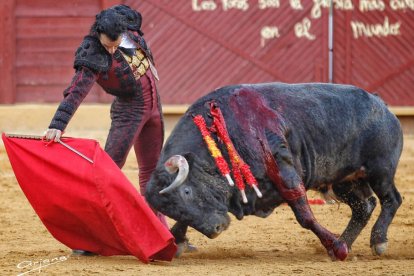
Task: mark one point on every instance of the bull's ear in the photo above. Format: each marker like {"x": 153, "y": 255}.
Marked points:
{"x": 206, "y": 162}
{"x": 194, "y": 159}
{"x": 190, "y": 157}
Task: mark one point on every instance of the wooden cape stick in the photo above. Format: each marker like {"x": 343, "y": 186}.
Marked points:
{"x": 36, "y": 137}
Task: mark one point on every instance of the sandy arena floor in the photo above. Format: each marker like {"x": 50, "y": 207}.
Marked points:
{"x": 273, "y": 246}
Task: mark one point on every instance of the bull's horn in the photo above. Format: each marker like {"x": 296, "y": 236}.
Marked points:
{"x": 174, "y": 163}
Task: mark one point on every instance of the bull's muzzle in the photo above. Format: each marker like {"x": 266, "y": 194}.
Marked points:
{"x": 214, "y": 224}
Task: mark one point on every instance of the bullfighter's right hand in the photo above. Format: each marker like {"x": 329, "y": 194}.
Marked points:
{"x": 52, "y": 134}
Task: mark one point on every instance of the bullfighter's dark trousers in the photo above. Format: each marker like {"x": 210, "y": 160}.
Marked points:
{"x": 137, "y": 121}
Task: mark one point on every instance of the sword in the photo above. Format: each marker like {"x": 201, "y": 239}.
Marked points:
{"x": 36, "y": 137}
{"x": 75, "y": 151}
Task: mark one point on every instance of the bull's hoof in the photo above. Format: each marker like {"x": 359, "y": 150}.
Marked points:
{"x": 190, "y": 248}
{"x": 339, "y": 250}
{"x": 185, "y": 247}
{"x": 379, "y": 249}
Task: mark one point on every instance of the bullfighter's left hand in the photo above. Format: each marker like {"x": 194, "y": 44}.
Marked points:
{"x": 52, "y": 134}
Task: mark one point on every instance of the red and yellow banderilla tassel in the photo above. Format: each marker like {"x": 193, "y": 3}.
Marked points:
{"x": 240, "y": 168}
{"x": 212, "y": 147}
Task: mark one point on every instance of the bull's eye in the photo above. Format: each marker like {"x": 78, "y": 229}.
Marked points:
{"x": 186, "y": 192}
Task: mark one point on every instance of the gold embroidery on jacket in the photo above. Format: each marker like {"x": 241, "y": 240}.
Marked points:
{"x": 138, "y": 63}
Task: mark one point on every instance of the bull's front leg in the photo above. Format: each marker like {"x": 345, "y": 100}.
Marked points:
{"x": 337, "y": 249}
{"x": 179, "y": 231}
{"x": 291, "y": 188}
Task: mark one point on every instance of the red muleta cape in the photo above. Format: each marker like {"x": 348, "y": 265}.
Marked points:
{"x": 87, "y": 206}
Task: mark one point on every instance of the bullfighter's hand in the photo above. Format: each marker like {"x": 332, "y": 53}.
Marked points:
{"x": 52, "y": 134}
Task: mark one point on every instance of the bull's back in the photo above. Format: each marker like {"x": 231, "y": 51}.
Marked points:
{"x": 335, "y": 128}
{"x": 343, "y": 112}
{"x": 328, "y": 108}
{"x": 318, "y": 105}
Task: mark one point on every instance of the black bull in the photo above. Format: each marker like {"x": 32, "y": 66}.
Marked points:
{"x": 337, "y": 139}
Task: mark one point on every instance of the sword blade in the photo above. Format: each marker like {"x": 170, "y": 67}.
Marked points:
{"x": 75, "y": 151}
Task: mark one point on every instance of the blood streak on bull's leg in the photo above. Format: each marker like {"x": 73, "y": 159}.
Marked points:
{"x": 298, "y": 202}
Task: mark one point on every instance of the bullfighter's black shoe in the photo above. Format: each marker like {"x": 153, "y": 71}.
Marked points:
{"x": 190, "y": 248}
{"x": 79, "y": 252}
